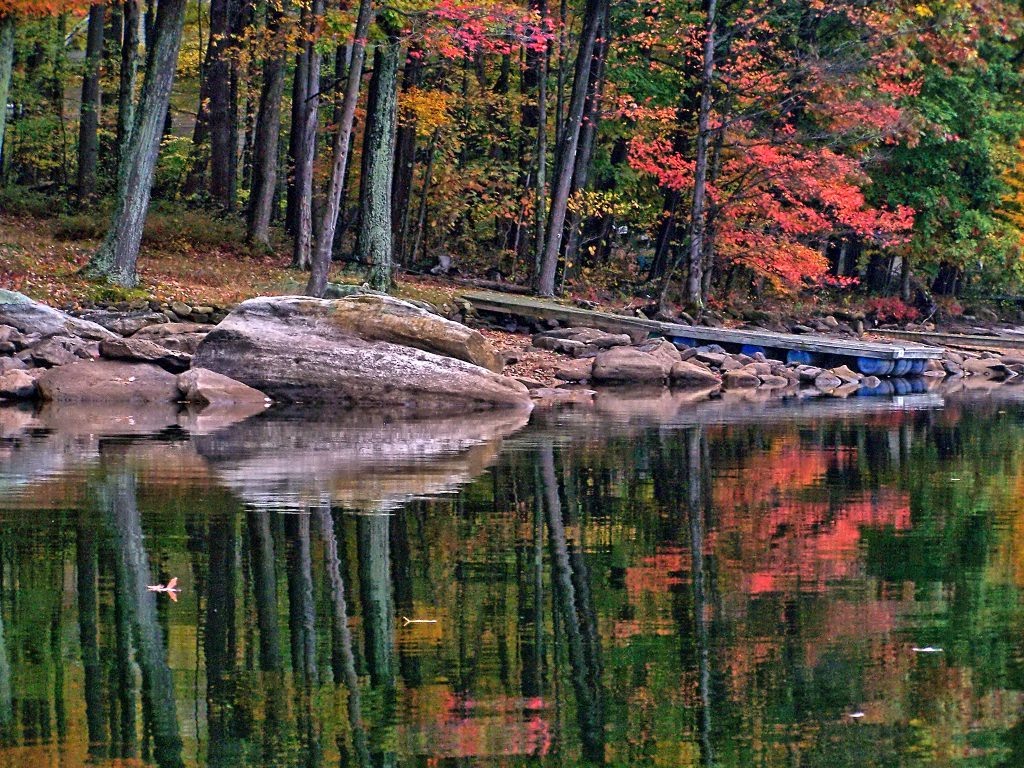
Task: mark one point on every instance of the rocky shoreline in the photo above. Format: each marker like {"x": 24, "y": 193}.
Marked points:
{"x": 369, "y": 350}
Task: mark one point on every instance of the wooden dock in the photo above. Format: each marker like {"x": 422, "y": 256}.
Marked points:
{"x": 966, "y": 341}
{"x": 870, "y": 357}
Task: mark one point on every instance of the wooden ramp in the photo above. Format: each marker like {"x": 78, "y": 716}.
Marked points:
{"x": 967, "y": 341}
{"x": 870, "y": 357}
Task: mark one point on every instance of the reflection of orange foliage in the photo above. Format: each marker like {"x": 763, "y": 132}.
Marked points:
{"x": 657, "y": 573}
{"x": 444, "y": 725}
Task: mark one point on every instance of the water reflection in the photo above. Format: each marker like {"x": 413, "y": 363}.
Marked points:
{"x": 639, "y": 583}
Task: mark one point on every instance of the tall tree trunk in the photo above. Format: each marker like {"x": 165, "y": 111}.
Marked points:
{"x": 325, "y": 243}
{"x": 587, "y": 140}
{"x": 405, "y": 161}
{"x": 545, "y": 279}
{"x": 89, "y": 119}
{"x": 694, "y": 284}
{"x": 374, "y": 246}
{"x": 217, "y": 41}
{"x": 268, "y": 133}
{"x": 421, "y": 216}
{"x": 218, "y": 114}
{"x": 303, "y": 251}
{"x": 264, "y": 577}
{"x": 540, "y": 210}
{"x": 116, "y": 258}
{"x": 6, "y": 68}
{"x": 128, "y": 75}
{"x": 295, "y": 143}
{"x": 905, "y": 274}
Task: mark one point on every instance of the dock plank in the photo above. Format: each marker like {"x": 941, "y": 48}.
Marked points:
{"x": 967, "y": 341}
{"x": 524, "y": 306}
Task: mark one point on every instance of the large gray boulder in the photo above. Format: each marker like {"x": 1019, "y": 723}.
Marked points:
{"x": 31, "y": 317}
{"x": 363, "y": 351}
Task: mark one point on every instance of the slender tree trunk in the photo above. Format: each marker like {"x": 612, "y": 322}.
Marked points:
{"x": 374, "y": 246}
{"x": 295, "y": 141}
{"x": 303, "y": 252}
{"x": 85, "y": 550}
{"x": 6, "y": 68}
{"x": 587, "y": 141}
{"x": 208, "y": 69}
{"x": 421, "y": 216}
{"x": 325, "y": 243}
{"x": 545, "y": 280}
{"x": 218, "y": 114}
{"x": 116, "y": 258}
{"x": 405, "y": 162}
{"x": 905, "y": 274}
{"x": 694, "y": 292}
{"x": 268, "y": 133}
{"x": 89, "y": 119}
{"x": 540, "y": 212}
{"x": 128, "y": 75}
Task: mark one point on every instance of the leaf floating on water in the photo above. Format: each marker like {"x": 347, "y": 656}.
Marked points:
{"x": 407, "y": 621}
{"x": 926, "y": 649}
{"x": 856, "y": 715}
{"x": 170, "y": 589}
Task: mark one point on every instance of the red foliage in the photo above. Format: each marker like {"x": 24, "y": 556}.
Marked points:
{"x": 890, "y": 309}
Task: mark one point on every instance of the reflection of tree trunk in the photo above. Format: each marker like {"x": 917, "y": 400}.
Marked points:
{"x": 401, "y": 572}
{"x": 531, "y": 614}
{"x": 127, "y": 671}
{"x": 265, "y": 589}
{"x": 343, "y": 658}
{"x": 301, "y": 612}
{"x": 158, "y": 687}
{"x": 375, "y": 586}
{"x": 264, "y": 579}
{"x": 220, "y": 642}
{"x": 695, "y": 512}
{"x": 373, "y": 540}
{"x": 586, "y": 684}
{"x": 85, "y": 537}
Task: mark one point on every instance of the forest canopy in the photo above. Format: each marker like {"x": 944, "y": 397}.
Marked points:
{"x": 694, "y": 152}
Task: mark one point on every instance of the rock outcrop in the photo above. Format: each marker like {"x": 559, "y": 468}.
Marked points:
{"x": 108, "y": 381}
{"x": 360, "y": 351}
{"x": 32, "y": 317}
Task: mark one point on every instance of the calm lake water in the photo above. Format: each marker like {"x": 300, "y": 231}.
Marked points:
{"x": 648, "y": 581}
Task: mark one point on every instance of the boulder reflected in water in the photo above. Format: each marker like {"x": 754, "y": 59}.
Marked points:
{"x": 363, "y": 461}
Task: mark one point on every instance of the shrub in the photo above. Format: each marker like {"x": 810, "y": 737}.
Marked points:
{"x": 890, "y": 309}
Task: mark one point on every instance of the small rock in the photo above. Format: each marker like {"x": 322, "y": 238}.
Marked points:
{"x": 203, "y": 386}
{"x": 758, "y": 369}
{"x": 11, "y": 364}
{"x": 871, "y": 382}
{"x": 553, "y": 395}
{"x": 8, "y": 348}
{"x": 830, "y": 321}
{"x": 730, "y": 363}
{"x": 952, "y": 368}
{"x": 711, "y": 358}
{"x": 686, "y": 354}
{"x": 739, "y": 379}
{"x": 181, "y": 309}
{"x": 575, "y": 371}
{"x": 622, "y": 365}
{"x": 17, "y": 385}
{"x": 845, "y": 374}
{"x": 662, "y": 349}
{"x": 62, "y": 350}
{"x": 800, "y": 328}
{"x": 827, "y": 381}
{"x": 145, "y": 351}
{"x": 774, "y": 382}
{"x": 565, "y": 346}
{"x": 986, "y": 368}
{"x": 686, "y": 373}
{"x": 205, "y": 310}
{"x": 530, "y": 383}
{"x": 123, "y": 323}
{"x": 808, "y": 373}
{"x": 953, "y": 357}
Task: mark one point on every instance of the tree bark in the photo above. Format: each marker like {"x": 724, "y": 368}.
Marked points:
{"x": 218, "y": 113}
{"x": 405, "y": 162}
{"x": 325, "y": 244}
{"x": 6, "y": 68}
{"x": 421, "y": 216}
{"x": 116, "y": 258}
{"x": 540, "y": 212}
{"x": 694, "y": 292}
{"x": 545, "y": 279}
{"x": 295, "y": 142}
{"x": 128, "y": 75}
{"x": 303, "y": 251}
{"x": 85, "y": 562}
{"x": 375, "y": 245}
{"x": 268, "y": 133}
{"x": 89, "y": 118}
